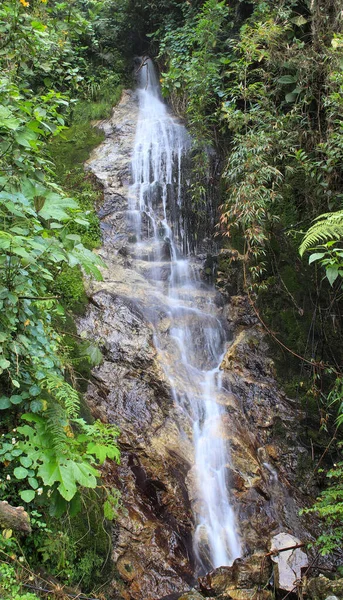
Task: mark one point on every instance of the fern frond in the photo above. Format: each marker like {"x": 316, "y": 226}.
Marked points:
{"x": 56, "y": 425}
{"x": 328, "y": 226}
{"x": 65, "y": 395}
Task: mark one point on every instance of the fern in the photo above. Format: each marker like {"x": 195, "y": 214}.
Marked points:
{"x": 328, "y": 226}
{"x": 65, "y": 395}
{"x": 57, "y": 426}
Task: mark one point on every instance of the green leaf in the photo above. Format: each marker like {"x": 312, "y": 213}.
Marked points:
{"x": 33, "y": 482}
{"x": 291, "y": 97}
{"x": 16, "y": 399}
{"x": 299, "y": 20}
{"x": 25, "y": 138}
{"x": 20, "y": 472}
{"x": 287, "y": 79}
{"x": 55, "y": 207}
{"x": 94, "y": 355}
{"x": 34, "y": 390}
{"x": 36, "y": 406}
{"x": 109, "y": 512}
{"x": 332, "y": 274}
{"x": 25, "y": 461}
{"x": 4, "y": 402}
{"x": 4, "y": 363}
{"x": 27, "y": 495}
{"x": 103, "y": 451}
{"x": 315, "y": 256}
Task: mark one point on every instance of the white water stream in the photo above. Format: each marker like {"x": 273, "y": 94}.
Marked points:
{"x": 193, "y": 348}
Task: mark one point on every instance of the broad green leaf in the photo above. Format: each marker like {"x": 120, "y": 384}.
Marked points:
{"x": 55, "y": 207}
{"x": 109, "y": 512}
{"x": 25, "y": 461}
{"x": 33, "y": 482}
{"x": 299, "y": 20}
{"x": 20, "y": 472}
{"x": 7, "y": 534}
{"x": 16, "y": 399}
{"x": 332, "y": 274}
{"x": 25, "y": 138}
{"x": 94, "y": 355}
{"x": 291, "y": 97}
{"x": 27, "y": 495}
{"x": 315, "y": 256}
{"x": 287, "y": 79}
{"x": 4, "y": 402}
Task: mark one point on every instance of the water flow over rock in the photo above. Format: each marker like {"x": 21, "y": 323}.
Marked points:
{"x": 162, "y": 334}
{"x": 192, "y": 344}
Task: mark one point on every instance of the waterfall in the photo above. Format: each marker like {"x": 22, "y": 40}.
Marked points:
{"x": 192, "y": 345}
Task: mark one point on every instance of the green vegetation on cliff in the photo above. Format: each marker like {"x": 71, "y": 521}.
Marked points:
{"x": 53, "y": 82}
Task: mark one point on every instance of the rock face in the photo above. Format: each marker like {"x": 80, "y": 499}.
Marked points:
{"x": 322, "y": 588}
{"x": 246, "y": 579}
{"x": 153, "y": 538}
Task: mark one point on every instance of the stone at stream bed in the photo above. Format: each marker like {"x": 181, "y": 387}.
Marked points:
{"x": 193, "y": 595}
{"x": 241, "y": 581}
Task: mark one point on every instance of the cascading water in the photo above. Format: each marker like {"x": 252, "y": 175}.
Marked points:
{"x": 192, "y": 349}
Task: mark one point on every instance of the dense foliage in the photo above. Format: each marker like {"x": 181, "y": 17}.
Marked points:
{"x": 52, "y": 72}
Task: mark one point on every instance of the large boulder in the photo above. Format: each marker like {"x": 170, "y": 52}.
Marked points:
{"x": 289, "y": 564}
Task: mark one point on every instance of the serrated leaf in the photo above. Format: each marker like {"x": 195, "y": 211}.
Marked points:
{"x": 55, "y": 207}
{"x": 103, "y": 451}
{"x": 109, "y": 512}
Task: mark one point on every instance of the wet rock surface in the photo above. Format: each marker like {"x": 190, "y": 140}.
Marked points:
{"x": 153, "y": 538}
{"x": 322, "y": 588}
{"x": 245, "y": 579}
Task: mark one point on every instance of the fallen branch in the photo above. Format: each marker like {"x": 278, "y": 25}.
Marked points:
{"x": 274, "y": 552}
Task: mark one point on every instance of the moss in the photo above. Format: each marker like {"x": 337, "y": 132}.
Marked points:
{"x": 69, "y": 285}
